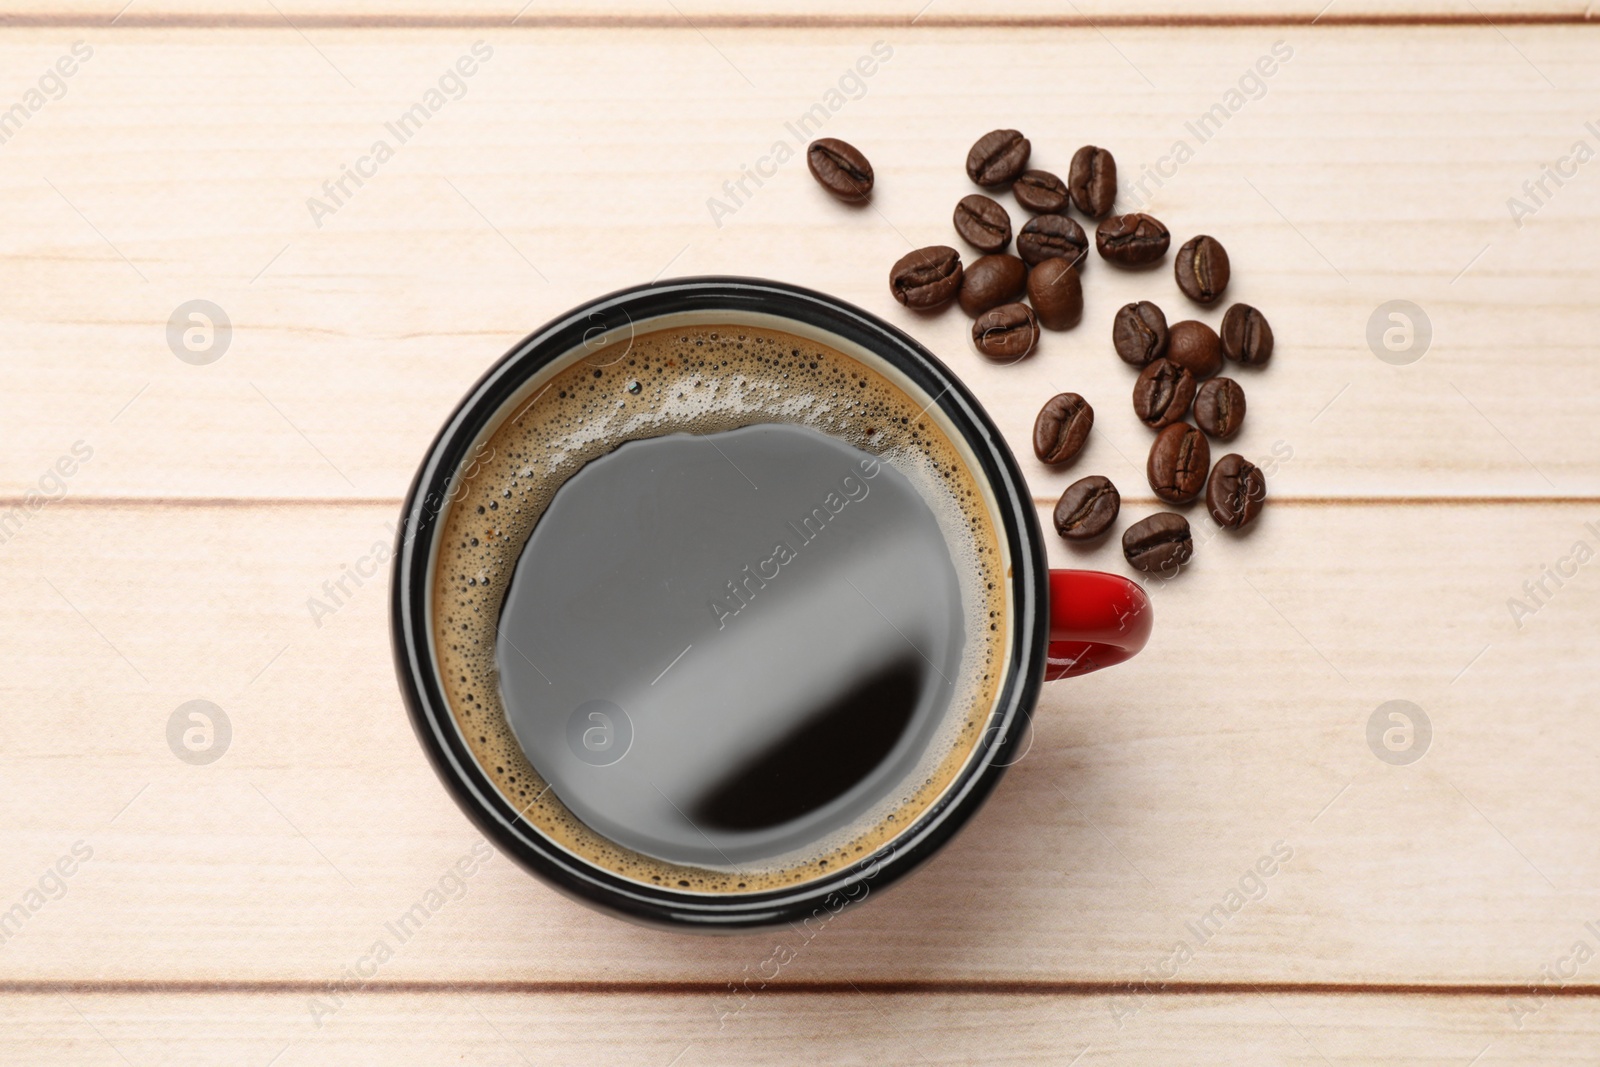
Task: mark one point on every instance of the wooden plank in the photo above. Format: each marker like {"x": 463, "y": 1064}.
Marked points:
{"x": 1376, "y": 167}
{"x": 845, "y": 1028}
{"x": 721, "y": 13}
{"x": 1149, "y": 793}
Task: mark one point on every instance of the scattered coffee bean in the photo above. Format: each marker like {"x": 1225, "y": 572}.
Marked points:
{"x": 1062, "y": 428}
{"x": 1202, "y": 269}
{"x": 1040, "y": 191}
{"x": 1179, "y": 460}
{"x": 1139, "y": 333}
{"x": 983, "y": 223}
{"x": 1196, "y": 346}
{"x": 1219, "y": 407}
{"x": 1162, "y": 393}
{"x": 927, "y": 278}
{"x": 1246, "y": 337}
{"x": 1007, "y": 333}
{"x": 1160, "y": 544}
{"x": 990, "y": 281}
{"x": 1087, "y": 509}
{"x": 1236, "y": 492}
{"x": 1052, "y": 237}
{"x": 1056, "y": 294}
{"x": 1135, "y": 240}
{"x": 1093, "y": 181}
{"x": 840, "y": 168}
{"x": 998, "y": 157}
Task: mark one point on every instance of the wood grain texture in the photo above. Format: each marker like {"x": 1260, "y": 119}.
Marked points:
{"x": 1147, "y": 794}
{"x": 848, "y": 1028}
{"x": 693, "y": 14}
{"x": 206, "y": 504}
{"x": 1375, "y": 167}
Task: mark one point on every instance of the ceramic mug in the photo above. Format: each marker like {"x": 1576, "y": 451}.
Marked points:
{"x": 1060, "y": 622}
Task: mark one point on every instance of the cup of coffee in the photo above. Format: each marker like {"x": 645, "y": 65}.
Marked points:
{"x": 719, "y": 603}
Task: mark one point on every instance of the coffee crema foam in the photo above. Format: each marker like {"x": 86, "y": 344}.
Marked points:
{"x": 698, "y": 379}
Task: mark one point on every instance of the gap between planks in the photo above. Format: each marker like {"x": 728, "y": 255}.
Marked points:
{"x": 879, "y": 987}
{"x": 154, "y": 502}
{"x": 238, "y": 20}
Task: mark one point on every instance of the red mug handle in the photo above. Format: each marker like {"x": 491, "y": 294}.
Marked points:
{"x": 1096, "y": 620}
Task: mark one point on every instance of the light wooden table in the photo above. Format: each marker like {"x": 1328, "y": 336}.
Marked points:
{"x": 219, "y": 902}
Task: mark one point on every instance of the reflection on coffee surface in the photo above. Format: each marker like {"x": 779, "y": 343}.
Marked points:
{"x": 772, "y": 616}
{"x": 719, "y": 608}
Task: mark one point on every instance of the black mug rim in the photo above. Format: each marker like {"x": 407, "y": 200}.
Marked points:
{"x": 595, "y": 886}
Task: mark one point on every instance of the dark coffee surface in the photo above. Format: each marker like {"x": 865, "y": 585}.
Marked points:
{"x": 756, "y": 631}
{"x": 665, "y": 385}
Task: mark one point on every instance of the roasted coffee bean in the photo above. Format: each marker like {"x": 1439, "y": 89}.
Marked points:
{"x": 1093, "y": 181}
{"x": 1135, "y": 240}
{"x": 1139, "y": 333}
{"x": 1219, "y": 407}
{"x": 998, "y": 157}
{"x": 1162, "y": 393}
{"x": 1196, "y": 346}
{"x": 1160, "y": 544}
{"x": 927, "y": 278}
{"x": 1087, "y": 509}
{"x": 983, "y": 223}
{"x": 992, "y": 280}
{"x": 1179, "y": 460}
{"x": 1246, "y": 337}
{"x": 1007, "y": 333}
{"x": 1052, "y": 237}
{"x": 840, "y": 168}
{"x": 1056, "y": 294}
{"x": 1236, "y": 492}
{"x": 1062, "y": 428}
{"x": 1040, "y": 191}
{"x": 1202, "y": 269}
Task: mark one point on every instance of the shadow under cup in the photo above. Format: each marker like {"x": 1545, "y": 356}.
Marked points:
{"x": 460, "y": 724}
